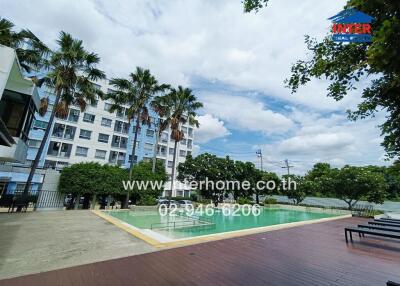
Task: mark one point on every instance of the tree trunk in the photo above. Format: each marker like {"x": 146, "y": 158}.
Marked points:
{"x": 41, "y": 147}
{"x": 77, "y": 201}
{"x": 93, "y": 203}
{"x": 173, "y": 169}
{"x": 153, "y": 168}
{"x": 126, "y": 204}
{"x": 257, "y": 199}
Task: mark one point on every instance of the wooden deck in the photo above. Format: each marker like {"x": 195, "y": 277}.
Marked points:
{"x": 307, "y": 255}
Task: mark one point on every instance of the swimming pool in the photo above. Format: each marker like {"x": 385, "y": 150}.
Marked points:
{"x": 181, "y": 226}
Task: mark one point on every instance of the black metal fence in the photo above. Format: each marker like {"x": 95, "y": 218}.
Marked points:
{"x": 42, "y": 199}
{"x": 50, "y": 199}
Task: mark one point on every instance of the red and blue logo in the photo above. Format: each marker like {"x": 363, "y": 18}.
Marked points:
{"x": 351, "y": 25}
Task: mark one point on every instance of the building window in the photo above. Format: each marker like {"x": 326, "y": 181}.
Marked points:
{"x": 121, "y": 127}
{"x": 164, "y": 137}
{"x": 182, "y": 153}
{"x": 189, "y": 143}
{"x": 106, "y": 122}
{"x": 119, "y": 142}
{"x": 69, "y": 132}
{"x": 189, "y": 153}
{"x": 190, "y": 132}
{"x": 73, "y": 115}
{"x": 64, "y": 131}
{"x": 49, "y": 164}
{"x": 33, "y": 143}
{"x": 100, "y": 154}
{"x": 103, "y": 138}
{"x": 88, "y": 117}
{"x": 170, "y": 163}
{"x": 59, "y": 149}
{"x": 148, "y": 146}
{"x": 81, "y": 151}
{"x": 149, "y": 133}
{"x": 130, "y": 159}
{"x": 39, "y": 124}
{"x": 117, "y": 158}
{"x": 171, "y": 151}
{"x": 107, "y": 106}
{"x": 162, "y": 150}
{"x": 183, "y": 141}
{"x": 121, "y": 113}
{"x": 85, "y": 134}
{"x": 58, "y": 130}
{"x": 17, "y": 112}
{"x": 184, "y": 129}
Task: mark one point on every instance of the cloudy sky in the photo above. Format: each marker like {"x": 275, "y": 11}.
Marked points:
{"x": 235, "y": 63}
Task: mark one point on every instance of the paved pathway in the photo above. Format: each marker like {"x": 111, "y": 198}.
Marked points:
{"x": 42, "y": 241}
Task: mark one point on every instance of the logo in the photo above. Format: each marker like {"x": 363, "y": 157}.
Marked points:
{"x": 351, "y": 25}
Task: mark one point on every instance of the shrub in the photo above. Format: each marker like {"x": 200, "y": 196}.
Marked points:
{"x": 270, "y": 201}
{"x": 147, "y": 201}
{"x": 243, "y": 201}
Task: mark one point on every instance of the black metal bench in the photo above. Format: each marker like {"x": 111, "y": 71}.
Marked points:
{"x": 379, "y": 227}
{"x": 391, "y": 283}
{"x": 384, "y": 223}
{"x": 363, "y": 231}
{"x": 389, "y": 220}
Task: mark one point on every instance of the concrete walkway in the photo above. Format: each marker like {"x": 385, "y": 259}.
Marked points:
{"x": 42, "y": 241}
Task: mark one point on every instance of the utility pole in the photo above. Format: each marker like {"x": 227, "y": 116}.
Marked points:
{"x": 287, "y": 166}
{"x": 259, "y": 154}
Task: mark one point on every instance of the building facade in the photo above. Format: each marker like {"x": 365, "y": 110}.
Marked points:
{"x": 96, "y": 135}
{"x": 19, "y": 100}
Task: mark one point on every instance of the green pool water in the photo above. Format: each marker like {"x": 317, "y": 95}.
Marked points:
{"x": 221, "y": 223}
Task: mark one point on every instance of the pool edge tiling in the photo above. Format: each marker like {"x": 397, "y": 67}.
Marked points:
{"x": 159, "y": 242}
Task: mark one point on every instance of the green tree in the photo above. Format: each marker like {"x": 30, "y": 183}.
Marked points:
{"x": 92, "y": 179}
{"x": 352, "y": 184}
{"x": 136, "y": 93}
{"x": 71, "y": 72}
{"x": 254, "y": 5}
{"x": 182, "y": 108}
{"x": 142, "y": 172}
{"x": 161, "y": 107}
{"x": 207, "y": 166}
{"x": 296, "y": 188}
{"x": 345, "y": 65}
{"x": 30, "y": 50}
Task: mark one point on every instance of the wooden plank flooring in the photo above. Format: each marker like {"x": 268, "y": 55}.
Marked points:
{"x": 313, "y": 254}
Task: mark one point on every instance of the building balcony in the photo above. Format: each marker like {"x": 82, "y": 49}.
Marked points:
{"x": 16, "y": 152}
{"x": 19, "y": 100}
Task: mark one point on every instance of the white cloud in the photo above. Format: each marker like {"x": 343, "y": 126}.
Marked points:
{"x": 210, "y": 128}
{"x": 333, "y": 139}
{"x": 179, "y": 39}
{"x": 245, "y": 113}
{"x": 215, "y": 41}
{"x": 314, "y": 143}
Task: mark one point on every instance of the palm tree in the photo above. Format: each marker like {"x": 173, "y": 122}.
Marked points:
{"x": 182, "y": 106}
{"x": 162, "y": 109}
{"x": 30, "y": 50}
{"x": 71, "y": 71}
{"x": 136, "y": 93}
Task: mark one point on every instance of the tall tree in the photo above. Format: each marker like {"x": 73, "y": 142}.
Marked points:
{"x": 375, "y": 64}
{"x": 30, "y": 50}
{"x": 159, "y": 105}
{"x": 135, "y": 93}
{"x": 71, "y": 71}
{"x": 183, "y": 106}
